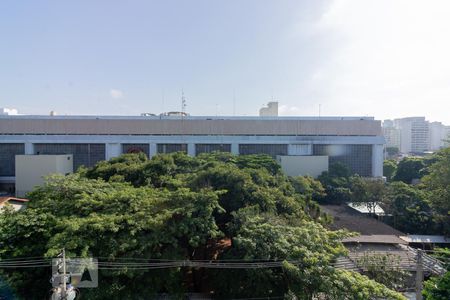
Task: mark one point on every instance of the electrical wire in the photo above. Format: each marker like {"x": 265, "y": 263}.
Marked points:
{"x": 150, "y": 264}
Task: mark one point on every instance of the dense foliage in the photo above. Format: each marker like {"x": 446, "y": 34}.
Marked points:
{"x": 416, "y": 196}
{"x": 410, "y": 211}
{"x": 437, "y": 288}
{"x": 408, "y": 169}
{"x": 336, "y": 182}
{"x": 389, "y": 169}
{"x": 216, "y": 206}
{"x": 437, "y": 184}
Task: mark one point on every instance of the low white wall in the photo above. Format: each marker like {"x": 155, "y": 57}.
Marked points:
{"x": 303, "y": 165}
{"x": 31, "y": 170}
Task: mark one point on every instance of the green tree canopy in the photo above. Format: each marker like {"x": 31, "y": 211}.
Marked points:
{"x": 409, "y": 208}
{"x": 437, "y": 288}
{"x": 392, "y": 151}
{"x": 409, "y": 168}
{"x": 177, "y": 207}
{"x": 389, "y": 169}
{"x": 437, "y": 183}
{"x": 336, "y": 182}
{"x": 368, "y": 192}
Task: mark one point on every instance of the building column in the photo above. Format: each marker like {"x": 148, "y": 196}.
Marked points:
{"x": 29, "y": 148}
{"x": 191, "y": 149}
{"x": 112, "y": 150}
{"x": 235, "y": 148}
{"x": 377, "y": 160}
{"x": 152, "y": 150}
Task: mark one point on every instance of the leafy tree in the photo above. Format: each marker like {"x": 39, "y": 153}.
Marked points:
{"x": 437, "y": 183}
{"x": 409, "y": 168}
{"x": 389, "y": 169}
{"x": 338, "y": 169}
{"x": 308, "y": 186}
{"x": 127, "y": 167}
{"x": 437, "y": 288}
{"x": 384, "y": 268}
{"x": 392, "y": 151}
{"x": 367, "y": 192}
{"x": 410, "y": 211}
{"x": 354, "y": 286}
{"x": 178, "y": 207}
{"x": 443, "y": 254}
{"x": 312, "y": 191}
{"x": 336, "y": 182}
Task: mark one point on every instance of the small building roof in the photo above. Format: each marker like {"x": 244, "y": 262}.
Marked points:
{"x": 375, "y": 239}
{"x": 350, "y": 219}
{"x": 6, "y": 199}
{"x": 426, "y": 239}
{"x": 362, "y": 208}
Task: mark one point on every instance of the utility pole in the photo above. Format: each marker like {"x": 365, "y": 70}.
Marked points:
{"x": 64, "y": 288}
{"x": 419, "y": 275}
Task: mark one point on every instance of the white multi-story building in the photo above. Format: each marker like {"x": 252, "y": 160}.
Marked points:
{"x": 414, "y": 134}
{"x": 438, "y": 136}
{"x": 354, "y": 141}
{"x": 391, "y": 134}
{"x": 447, "y": 136}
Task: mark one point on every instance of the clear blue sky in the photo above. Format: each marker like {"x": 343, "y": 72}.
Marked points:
{"x": 126, "y": 57}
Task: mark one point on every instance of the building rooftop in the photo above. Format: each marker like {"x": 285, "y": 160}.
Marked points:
{"x": 426, "y": 239}
{"x": 352, "y": 220}
{"x": 189, "y": 125}
{"x": 11, "y": 198}
{"x": 362, "y": 208}
{"x": 189, "y": 117}
{"x": 376, "y": 239}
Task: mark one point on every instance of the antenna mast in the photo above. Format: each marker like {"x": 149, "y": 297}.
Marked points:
{"x": 183, "y": 103}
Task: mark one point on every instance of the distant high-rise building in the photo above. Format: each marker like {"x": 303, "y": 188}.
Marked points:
{"x": 414, "y": 134}
{"x": 438, "y": 135}
{"x": 391, "y": 134}
{"x": 447, "y": 136}
{"x": 270, "y": 111}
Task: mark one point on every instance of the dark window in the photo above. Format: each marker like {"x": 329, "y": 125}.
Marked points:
{"x": 269, "y": 149}
{"x": 208, "y": 148}
{"x": 357, "y": 157}
{"x": 8, "y": 154}
{"x": 83, "y": 154}
{"x": 169, "y": 148}
{"x": 136, "y": 148}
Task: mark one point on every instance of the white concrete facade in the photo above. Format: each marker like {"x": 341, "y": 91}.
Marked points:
{"x": 303, "y": 165}
{"x": 414, "y": 134}
{"x": 298, "y": 135}
{"x": 31, "y": 170}
{"x": 437, "y": 136}
{"x": 297, "y": 145}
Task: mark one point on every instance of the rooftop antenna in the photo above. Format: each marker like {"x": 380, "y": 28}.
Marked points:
{"x": 183, "y": 103}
